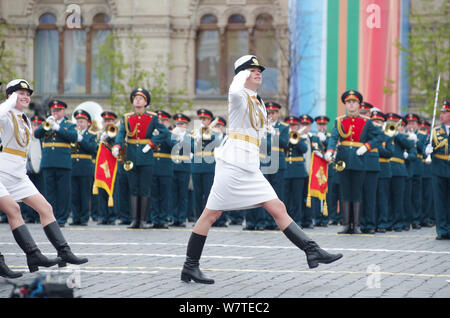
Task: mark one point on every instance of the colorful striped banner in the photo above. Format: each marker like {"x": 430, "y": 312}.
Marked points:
{"x": 338, "y": 45}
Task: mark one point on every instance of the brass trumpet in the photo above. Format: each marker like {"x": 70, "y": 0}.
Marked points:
{"x": 111, "y": 130}
{"x": 294, "y": 136}
{"x": 338, "y": 165}
{"x": 46, "y": 125}
{"x": 391, "y": 128}
{"x": 128, "y": 164}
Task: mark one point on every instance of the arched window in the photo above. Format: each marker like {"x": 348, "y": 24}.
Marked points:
{"x": 266, "y": 48}
{"x": 208, "y": 57}
{"x": 100, "y": 69}
{"x": 46, "y": 55}
{"x": 237, "y": 43}
{"x": 75, "y": 60}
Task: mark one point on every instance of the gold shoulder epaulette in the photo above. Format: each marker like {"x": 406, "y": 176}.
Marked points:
{"x": 340, "y": 117}
{"x": 151, "y": 113}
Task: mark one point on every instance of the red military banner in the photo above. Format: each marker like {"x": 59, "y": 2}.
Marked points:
{"x": 318, "y": 181}
{"x": 105, "y": 172}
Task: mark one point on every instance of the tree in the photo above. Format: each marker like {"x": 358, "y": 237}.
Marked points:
{"x": 123, "y": 76}
{"x": 6, "y": 59}
{"x": 428, "y": 54}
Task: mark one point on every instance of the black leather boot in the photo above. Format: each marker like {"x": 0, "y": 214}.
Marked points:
{"x": 314, "y": 254}
{"x": 56, "y": 237}
{"x": 144, "y": 206}
{"x": 5, "y": 271}
{"x": 34, "y": 255}
{"x": 345, "y": 210}
{"x": 191, "y": 269}
{"x": 356, "y": 217}
{"x": 134, "y": 205}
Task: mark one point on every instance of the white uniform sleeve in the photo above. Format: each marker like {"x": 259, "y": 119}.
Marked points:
{"x": 235, "y": 93}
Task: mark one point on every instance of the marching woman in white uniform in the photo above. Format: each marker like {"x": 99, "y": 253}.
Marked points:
{"x": 15, "y": 184}
{"x": 238, "y": 182}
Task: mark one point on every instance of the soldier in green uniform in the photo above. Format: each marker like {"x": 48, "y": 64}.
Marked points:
{"x": 427, "y": 209}
{"x": 410, "y": 157}
{"x": 82, "y": 168}
{"x": 440, "y": 165}
{"x": 181, "y": 169}
{"x": 385, "y": 151}
{"x": 161, "y": 187}
{"x": 279, "y": 140}
{"x": 295, "y": 173}
{"x": 357, "y": 136}
{"x": 107, "y": 215}
{"x": 412, "y": 126}
{"x": 203, "y": 166}
{"x": 368, "y": 214}
{"x": 56, "y": 160}
{"x": 140, "y": 132}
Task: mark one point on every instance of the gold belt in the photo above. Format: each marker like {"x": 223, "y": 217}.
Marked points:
{"x": 419, "y": 156}
{"x": 81, "y": 156}
{"x": 138, "y": 141}
{"x": 277, "y": 149}
{"x": 442, "y": 157}
{"x": 161, "y": 155}
{"x": 243, "y": 137}
{"x": 15, "y": 152}
{"x": 203, "y": 154}
{"x": 180, "y": 157}
{"x": 294, "y": 159}
{"x": 348, "y": 143}
{"x": 397, "y": 160}
{"x": 384, "y": 159}
{"x": 55, "y": 144}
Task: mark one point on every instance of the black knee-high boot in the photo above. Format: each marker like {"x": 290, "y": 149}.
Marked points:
{"x": 134, "y": 206}
{"x": 145, "y": 203}
{"x": 56, "y": 237}
{"x": 191, "y": 269}
{"x": 34, "y": 256}
{"x": 356, "y": 217}
{"x": 5, "y": 271}
{"x": 314, "y": 254}
{"x": 345, "y": 210}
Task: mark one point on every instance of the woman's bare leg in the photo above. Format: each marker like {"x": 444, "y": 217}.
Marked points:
{"x": 278, "y": 211}
{"x": 42, "y": 207}
{"x": 205, "y": 221}
{"x": 12, "y": 210}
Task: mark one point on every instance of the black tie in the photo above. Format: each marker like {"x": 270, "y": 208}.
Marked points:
{"x": 24, "y": 117}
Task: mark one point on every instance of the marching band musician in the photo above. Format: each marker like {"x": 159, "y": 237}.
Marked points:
{"x": 161, "y": 182}
{"x": 356, "y": 135}
{"x": 295, "y": 173}
{"x": 203, "y": 161}
{"x": 140, "y": 132}
{"x": 427, "y": 217}
{"x": 83, "y": 151}
{"x": 56, "y": 161}
{"x": 440, "y": 165}
{"x": 107, "y": 215}
{"x": 385, "y": 151}
{"x": 238, "y": 181}
{"x": 401, "y": 144}
{"x": 368, "y": 212}
{"x": 16, "y": 134}
{"x": 181, "y": 170}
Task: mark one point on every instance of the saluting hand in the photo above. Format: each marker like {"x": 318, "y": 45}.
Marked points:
{"x": 11, "y": 101}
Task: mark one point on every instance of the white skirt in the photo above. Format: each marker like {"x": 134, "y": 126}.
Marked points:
{"x": 17, "y": 187}
{"x": 237, "y": 189}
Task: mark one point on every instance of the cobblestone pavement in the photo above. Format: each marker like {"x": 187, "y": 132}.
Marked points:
{"x": 245, "y": 264}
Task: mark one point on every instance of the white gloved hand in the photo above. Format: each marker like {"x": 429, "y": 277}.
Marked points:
{"x": 55, "y": 126}
{"x": 176, "y": 131}
{"x": 10, "y": 102}
{"x": 115, "y": 151}
{"x": 361, "y": 150}
{"x": 405, "y": 155}
{"x": 319, "y": 154}
{"x": 429, "y": 150}
{"x": 328, "y": 156}
{"x": 80, "y": 137}
{"x": 103, "y": 136}
{"x": 322, "y": 136}
{"x": 146, "y": 148}
{"x": 272, "y": 130}
{"x": 239, "y": 81}
{"x": 413, "y": 137}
